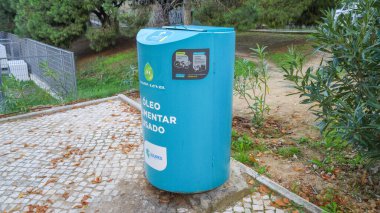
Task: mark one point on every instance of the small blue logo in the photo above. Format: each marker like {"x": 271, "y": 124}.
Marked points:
{"x": 152, "y": 155}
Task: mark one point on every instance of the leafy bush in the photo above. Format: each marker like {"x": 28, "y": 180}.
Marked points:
{"x": 239, "y": 14}
{"x": 345, "y": 88}
{"x": 251, "y": 84}
{"x": 101, "y": 38}
{"x": 134, "y": 20}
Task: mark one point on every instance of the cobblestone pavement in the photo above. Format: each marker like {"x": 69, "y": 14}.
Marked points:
{"x": 257, "y": 202}
{"x": 90, "y": 159}
{"x": 65, "y": 160}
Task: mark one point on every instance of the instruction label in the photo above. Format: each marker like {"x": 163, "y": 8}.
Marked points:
{"x": 190, "y": 64}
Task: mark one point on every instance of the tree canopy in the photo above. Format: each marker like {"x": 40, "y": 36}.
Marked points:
{"x": 7, "y": 14}
{"x": 60, "y": 22}
{"x": 55, "y": 22}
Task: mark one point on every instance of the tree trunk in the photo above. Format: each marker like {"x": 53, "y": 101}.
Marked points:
{"x": 187, "y": 20}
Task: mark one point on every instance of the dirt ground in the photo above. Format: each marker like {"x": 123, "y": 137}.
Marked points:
{"x": 274, "y": 41}
{"x": 296, "y": 121}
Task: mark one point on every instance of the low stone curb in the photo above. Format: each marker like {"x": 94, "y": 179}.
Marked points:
{"x": 55, "y": 110}
{"x": 279, "y": 189}
{"x": 130, "y": 101}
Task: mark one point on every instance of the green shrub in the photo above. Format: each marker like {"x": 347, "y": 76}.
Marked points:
{"x": 101, "y": 38}
{"x": 134, "y": 20}
{"x": 251, "y": 84}
{"x": 345, "y": 88}
{"x": 239, "y": 14}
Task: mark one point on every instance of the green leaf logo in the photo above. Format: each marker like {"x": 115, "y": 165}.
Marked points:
{"x": 148, "y": 72}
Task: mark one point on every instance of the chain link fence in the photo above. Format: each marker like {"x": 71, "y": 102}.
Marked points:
{"x": 51, "y": 68}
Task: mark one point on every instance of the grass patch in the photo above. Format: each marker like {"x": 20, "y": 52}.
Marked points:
{"x": 102, "y": 77}
{"x": 244, "y": 150}
{"x": 304, "y": 140}
{"x": 20, "y": 96}
{"x": 289, "y": 151}
{"x": 107, "y": 76}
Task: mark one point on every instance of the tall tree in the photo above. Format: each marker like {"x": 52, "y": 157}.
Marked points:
{"x": 51, "y": 21}
{"x": 314, "y": 12}
{"x": 166, "y": 6}
{"x": 105, "y": 10}
{"x": 60, "y": 22}
{"x": 187, "y": 12}
{"x": 277, "y": 13}
{"x": 7, "y": 14}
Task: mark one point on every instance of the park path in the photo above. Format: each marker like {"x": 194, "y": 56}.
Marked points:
{"x": 65, "y": 160}
{"x": 90, "y": 159}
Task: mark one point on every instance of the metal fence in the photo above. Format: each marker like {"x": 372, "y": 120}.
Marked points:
{"x": 51, "y": 68}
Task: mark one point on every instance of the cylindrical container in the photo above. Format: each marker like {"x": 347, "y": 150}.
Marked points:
{"x": 186, "y": 79}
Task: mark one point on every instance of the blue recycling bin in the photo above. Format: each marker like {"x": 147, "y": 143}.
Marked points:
{"x": 186, "y": 82}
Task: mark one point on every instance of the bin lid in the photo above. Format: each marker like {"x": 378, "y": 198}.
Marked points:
{"x": 168, "y": 34}
{"x": 199, "y": 28}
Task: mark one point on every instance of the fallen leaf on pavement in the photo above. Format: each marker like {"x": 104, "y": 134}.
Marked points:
{"x": 84, "y": 201}
{"x": 33, "y": 191}
{"x": 51, "y": 180}
{"x": 279, "y": 202}
{"x": 79, "y": 206}
{"x": 263, "y": 189}
{"x": 37, "y": 208}
{"x": 97, "y": 180}
{"x": 65, "y": 195}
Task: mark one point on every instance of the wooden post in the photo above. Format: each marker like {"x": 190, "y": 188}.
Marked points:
{"x": 187, "y": 20}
